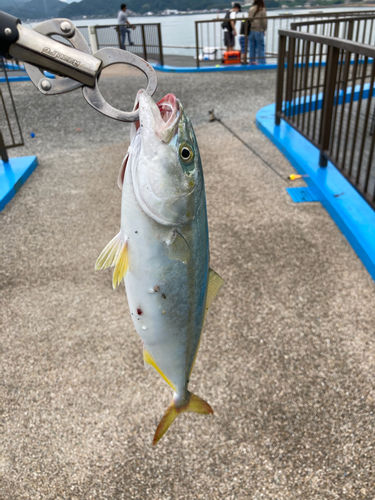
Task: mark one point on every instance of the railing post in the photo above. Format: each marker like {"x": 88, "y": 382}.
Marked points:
{"x": 350, "y": 29}
{"x": 93, "y": 39}
{"x": 280, "y": 78}
{"x": 328, "y": 103}
{"x": 245, "y": 61}
{"x": 337, "y": 28}
{"x": 345, "y": 74}
{"x": 197, "y": 42}
{"x": 290, "y": 75}
{"x": 144, "y": 42}
{"x": 3, "y": 152}
{"x": 117, "y": 28}
{"x": 160, "y": 46}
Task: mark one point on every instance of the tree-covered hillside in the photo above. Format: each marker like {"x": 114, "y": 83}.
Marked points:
{"x": 6, "y": 4}
{"x": 110, "y": 8}
{"x": 33, "y": 9}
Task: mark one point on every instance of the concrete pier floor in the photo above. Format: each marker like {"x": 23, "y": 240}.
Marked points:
{"x": 287, "y": 356}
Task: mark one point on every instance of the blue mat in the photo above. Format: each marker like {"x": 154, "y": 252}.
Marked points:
{"x": 13, "y": 175}
{"x": 22, "y": 78}
{"x": 302, "y": 194}
{"x": 217, "y": 67}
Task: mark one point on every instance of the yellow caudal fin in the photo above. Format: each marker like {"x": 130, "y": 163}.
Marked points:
{"x": 115, "y": 254}
{"x": 169, "y": 417}
{"x": 195, "y": 404}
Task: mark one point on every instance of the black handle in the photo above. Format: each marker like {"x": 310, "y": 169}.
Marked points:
{"x": 8, "y": 32}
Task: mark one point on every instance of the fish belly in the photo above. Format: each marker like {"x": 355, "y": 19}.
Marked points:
{"x": 166, "y": 297}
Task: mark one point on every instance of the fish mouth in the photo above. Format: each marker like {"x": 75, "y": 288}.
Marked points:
{"x": 165, "y": 115}
{"x": 169, "y": 107}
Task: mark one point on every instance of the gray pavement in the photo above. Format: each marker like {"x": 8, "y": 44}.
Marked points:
{"x": 287, "y": 356}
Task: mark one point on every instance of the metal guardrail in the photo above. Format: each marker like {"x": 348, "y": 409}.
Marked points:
{"x": 210, "y": 34}
{"x": 12, "y": 65}
{"x": 85, "y": 33}
{"x": 146, "y": 38}
{"x": 325, "y": 89}
{"x": 10, "y": 129}
{"x": 358, "y": 29}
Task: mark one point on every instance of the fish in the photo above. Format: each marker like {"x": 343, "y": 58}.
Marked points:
{"x": 162, "y": 249}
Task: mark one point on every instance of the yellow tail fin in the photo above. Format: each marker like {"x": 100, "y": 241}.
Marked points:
{"x": 195, "y": 404}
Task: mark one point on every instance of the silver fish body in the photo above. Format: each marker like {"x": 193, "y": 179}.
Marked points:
{"x": 162, "y": 249}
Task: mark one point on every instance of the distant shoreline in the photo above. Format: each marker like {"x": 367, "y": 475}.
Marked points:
{"x": 314, "y": 8}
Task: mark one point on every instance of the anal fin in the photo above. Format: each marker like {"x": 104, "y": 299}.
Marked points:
{"x": 148, "y": 359}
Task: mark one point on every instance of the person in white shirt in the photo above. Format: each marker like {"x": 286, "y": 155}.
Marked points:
{"x": 230, "y": 27}
{"x": 122, "y": 21}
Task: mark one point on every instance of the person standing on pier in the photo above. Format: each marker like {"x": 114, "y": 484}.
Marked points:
{"x": 258, "y": 18}
{"x": 230, "y": 27}
{"x": 122, "y": 21}
{"x": 243, "y": 37}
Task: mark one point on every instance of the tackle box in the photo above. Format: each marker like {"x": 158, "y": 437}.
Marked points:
{"x": 232, "y": 57}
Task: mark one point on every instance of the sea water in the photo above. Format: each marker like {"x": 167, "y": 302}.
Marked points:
{"x": 179, "y": 30}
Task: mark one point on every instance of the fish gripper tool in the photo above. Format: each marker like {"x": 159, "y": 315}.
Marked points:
{"x": 71, "y": 59}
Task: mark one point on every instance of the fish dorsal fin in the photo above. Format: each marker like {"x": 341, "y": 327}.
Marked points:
{"x": 149, "y": 360}
{"x": 177, "y": 247}
{"x": 115, "y": 254}
{"x": 214, "y": 285}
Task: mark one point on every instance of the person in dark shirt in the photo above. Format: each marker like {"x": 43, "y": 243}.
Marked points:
{"x": 230, "y": 27}
{"x": 122, "y": 21}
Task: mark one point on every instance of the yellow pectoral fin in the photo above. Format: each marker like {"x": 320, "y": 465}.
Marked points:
{"x": 150, "y": 361}
{"x": 115, "y": 254}
{"x": 178, "y": 248}
{"x": 121, "y": 266}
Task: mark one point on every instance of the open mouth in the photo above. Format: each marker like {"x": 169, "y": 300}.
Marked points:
{"x": 169, "y": 109}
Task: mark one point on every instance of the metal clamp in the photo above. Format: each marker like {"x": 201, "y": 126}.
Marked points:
{"x": 74, "y": 63}
{"x": 66, "y": 29}
{"x": 8, "y": 32}
{"x": 110, "y": 56}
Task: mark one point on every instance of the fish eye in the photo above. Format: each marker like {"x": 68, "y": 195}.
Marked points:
{"x": 186, "y": 153}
